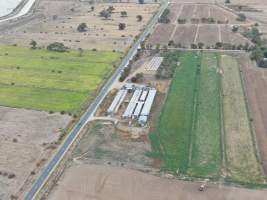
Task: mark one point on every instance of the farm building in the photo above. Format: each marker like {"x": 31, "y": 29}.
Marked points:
{"x": 147, "y": 107}
{"x": 117, "y": 102}
{"x": 131, "y": 106}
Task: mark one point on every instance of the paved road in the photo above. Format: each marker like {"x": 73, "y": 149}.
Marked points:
{"x": 90, "y": 111}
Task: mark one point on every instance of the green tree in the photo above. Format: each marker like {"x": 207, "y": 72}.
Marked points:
{"x": 139, "y": 18}
{"x": 122, "y": 26}
{"x": 105, "y": 13}
{"x": 33, "y": 44}
{"x": 123, "y": 14}
{"x": 82, "y": 27}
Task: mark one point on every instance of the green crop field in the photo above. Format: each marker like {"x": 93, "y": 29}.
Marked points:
{"x": 204, "y": 121}
{"x": 51, "y": 81}
{"x": 171, "y": 140}
{"x": 206, "y": 146}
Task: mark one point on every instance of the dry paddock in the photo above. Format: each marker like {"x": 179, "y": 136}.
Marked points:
{"x": 57, "y": 21}
{"x": 104, "y": 182}
{"x": 25, "y": 137}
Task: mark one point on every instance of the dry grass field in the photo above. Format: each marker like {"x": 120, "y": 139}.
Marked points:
{"x": 241, "y": 161}
{"x": 57, "y": 21}
{"x": 25, "y": 139}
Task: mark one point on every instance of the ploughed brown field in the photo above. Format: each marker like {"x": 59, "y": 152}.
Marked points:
{"x": 193, "y": 32}
{"x": 255, "y": 85}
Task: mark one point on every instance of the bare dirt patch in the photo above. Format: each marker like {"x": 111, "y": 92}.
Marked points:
{"x": 105, "y": 182}
{"x": 25, "y": 139}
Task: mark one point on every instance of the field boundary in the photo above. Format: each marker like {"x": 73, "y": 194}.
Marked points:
{"x": 195, "y": 109}
{"x": 222, "y": 128}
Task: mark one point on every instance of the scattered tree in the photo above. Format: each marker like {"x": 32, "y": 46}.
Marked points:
{"x": 139, "y": 18}
{"x": 141, "y": 1}
{"x": 122, "y": 26}
{"x": 82, "y": 27}
{"x": 227, "y": 1}
{"x": 241, "y": 17}
{"x": 105, "y": 13}
{"x": 123, "y": 14}
{"x": 235, "y": 29}
{"x": 33, "y": 44}
{"x": 57, "y": 46}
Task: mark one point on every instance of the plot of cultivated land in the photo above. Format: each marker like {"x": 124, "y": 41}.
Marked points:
{"x": 208, "y": 34}
{"x": 113, "y": 183}
{"x": 42, "y": 80}
{"x": 171, "y": 140}
{"x": 174, "y": 11}
{"x": 256, "y": 82}
{"x": 206, "y": 151}
{"x": 202, "y": 11}
{"x": 25, "y": 138}
{"x": 223, "y": 15}
{"x": 57, "y": 21}
{"x": 185, "y": 35}
{"x": 161, "y": 34}
{"x": 232, "y": 38}
{"x": 241, "y": 160}
{"x": 187, "y": 12}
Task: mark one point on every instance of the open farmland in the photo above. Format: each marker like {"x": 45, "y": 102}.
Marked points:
{"x": 255, "y": 84}
{"x": 185, "y": 34}
{"x": 206, "y": 146}
{"x": 208, "y": 34}
{"x": 106, "y": 182}
{"x": 160, "y": 31}
{"x": 241, "y": 160}
{"x": 27, "y": 139}
{"x": 57, "y": 21}
{"x": 171, "y": 140}
{"x": 196, "y": 26}
{"x": 43, "y": 80}
{"x": 199, "y": 128}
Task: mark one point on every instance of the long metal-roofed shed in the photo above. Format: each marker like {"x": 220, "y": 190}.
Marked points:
{"x": 144, "y": 95}
{"x": 113, "y": 108}
{"x": 147, "y": 106}
{"x": 132, "y": 104}
{"x": 138, "y": 109}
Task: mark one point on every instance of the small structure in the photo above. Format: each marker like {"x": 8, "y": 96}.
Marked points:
{"x": 154, "y": 64}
